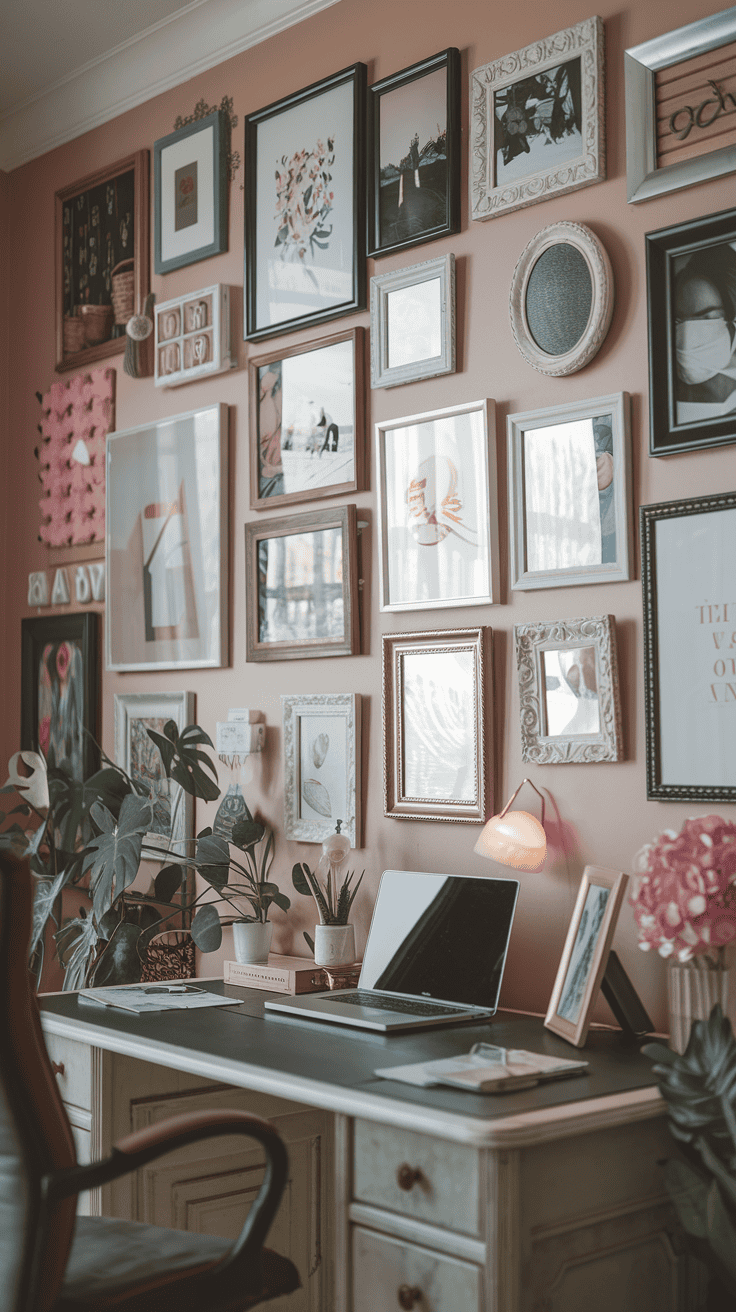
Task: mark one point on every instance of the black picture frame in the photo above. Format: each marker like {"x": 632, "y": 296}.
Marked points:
{"x": 37, "y": 634}
{"x": 690, "y": 703}
{"x": 256, "y": 265}
{"x": 215, "y": 124}
{"x": 668, "y": 253}
{"x": 380, "y": 241}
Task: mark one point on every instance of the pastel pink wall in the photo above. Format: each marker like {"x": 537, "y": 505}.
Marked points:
{"x": 604, "y": 807}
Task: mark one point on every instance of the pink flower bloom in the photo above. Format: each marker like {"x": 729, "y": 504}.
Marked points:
{"x": 63, "y": 658}
{"x": 684, "y": 889}
{"x": 44, "y": 733}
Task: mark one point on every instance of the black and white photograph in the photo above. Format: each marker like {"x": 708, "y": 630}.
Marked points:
{"x": 585, "y": 954}
{"x": 538, "y": 122}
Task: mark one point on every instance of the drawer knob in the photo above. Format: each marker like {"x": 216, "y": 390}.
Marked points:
{"x": 406, "y": 1177}
{"x": 57, "y": 1067}
{"x": 408, "y": 1296}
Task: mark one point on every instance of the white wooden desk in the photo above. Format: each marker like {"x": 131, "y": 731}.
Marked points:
{"x": 544, "y": 1200}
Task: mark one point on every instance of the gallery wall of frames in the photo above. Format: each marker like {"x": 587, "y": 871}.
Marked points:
{"x": 408, "y": 355}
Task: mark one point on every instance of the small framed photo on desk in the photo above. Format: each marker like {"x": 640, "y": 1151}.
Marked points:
{"x": 585, "y": 953}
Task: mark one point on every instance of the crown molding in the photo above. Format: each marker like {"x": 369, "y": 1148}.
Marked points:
{"x": 201, "y": 35}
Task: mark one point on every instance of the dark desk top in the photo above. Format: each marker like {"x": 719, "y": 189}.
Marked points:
{"x": 330, "y": 1066}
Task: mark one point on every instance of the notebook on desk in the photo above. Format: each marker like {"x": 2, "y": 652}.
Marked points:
{"x": 435, "y": 955}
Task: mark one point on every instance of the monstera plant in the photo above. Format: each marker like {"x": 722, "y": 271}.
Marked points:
{"x": 93, "y": 834}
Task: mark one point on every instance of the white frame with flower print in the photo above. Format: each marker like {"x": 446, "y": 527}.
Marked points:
{"x": 575, "y": 1028}
{"x": 296, "y": 711}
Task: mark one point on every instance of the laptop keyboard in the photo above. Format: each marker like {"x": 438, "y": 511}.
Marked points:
{"x": 362, "y": 998}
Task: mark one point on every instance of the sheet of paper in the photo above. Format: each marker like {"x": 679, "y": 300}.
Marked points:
{"x": 155, "y": 997}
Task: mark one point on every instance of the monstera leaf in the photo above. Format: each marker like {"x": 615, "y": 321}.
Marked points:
{"x": 44, "y": 896}
{"x": 76, "y": 943}
{"x": 113, "y": 857}
{"x": 183, "y": 761}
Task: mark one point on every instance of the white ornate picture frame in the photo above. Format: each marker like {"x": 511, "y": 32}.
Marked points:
{"x": 537, "y": 124}
{"x": 135, "y": 712}
{"x": 321, "y": 766}
{"x": 570, "y": 711}
{"x": 561, "y": 299}
{"x": 413, "y": 323}
{"x": 570, "y": 516}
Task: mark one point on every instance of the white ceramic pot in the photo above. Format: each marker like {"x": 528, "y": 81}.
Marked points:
{"x": 334, "y": 945}
{"x": 252, "y": 942}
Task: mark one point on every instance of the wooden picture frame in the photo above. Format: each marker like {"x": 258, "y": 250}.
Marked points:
{"x": 322, "y": 391}
{"x": 394, "y": 223}
{"x": 662, "y": 154}
{"x": 687, "y": 550}
{"x": 317, "y": 603}
{"x": 301, "y": 212}
{"x": 435, "y": 760}
{"x": 571, "y": 464}
{"x": 552, "y": 89}
{"x": 190, "y": 190}
{"x": 101, "y": 223}
{"x": 691, "y": 268}
{"x": 570, "y": 710}
{"x": 60, "y": 676}
{"x": 563, "y": 265}
{"x": 413, "y": 323}
{"x": 438, "y": 509}
{"x": 135, "y": 712}
{"x": 585, "y": 954}
{"x": 322, "y": 781}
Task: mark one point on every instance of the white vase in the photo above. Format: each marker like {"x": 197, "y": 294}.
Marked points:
{"x": 693, "y": 989}
{"x": 252, "y": 942}
{"x": 334, "y": 945}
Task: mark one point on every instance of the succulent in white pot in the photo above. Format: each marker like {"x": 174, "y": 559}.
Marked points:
{"x": 334, "y": 936}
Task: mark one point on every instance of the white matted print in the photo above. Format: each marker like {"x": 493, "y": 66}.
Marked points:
{"x": 166, "y": 543}
{"x": 321, "y": 766}
{"x": 413, "y": 323}
{"x": 138, "y": 755}
{"x": 437, "y": 508}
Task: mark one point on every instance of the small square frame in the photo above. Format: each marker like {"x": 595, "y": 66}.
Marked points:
{"x": 294, "y": 709}
{"x": 592, "y": 963}
{"x": 38, "y": 633}
{"x": 532, "y": 641}
{"x": 176, "y": 706}
{"x": 382, "y": 286}
{"x": 205, "y": 142}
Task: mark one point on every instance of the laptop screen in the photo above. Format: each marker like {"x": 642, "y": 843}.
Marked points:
{"x": 440, "y": 936}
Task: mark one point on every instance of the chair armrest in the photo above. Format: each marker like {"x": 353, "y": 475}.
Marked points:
{"x": 135, "y": 1150}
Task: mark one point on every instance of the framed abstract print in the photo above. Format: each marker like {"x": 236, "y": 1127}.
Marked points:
{"x": 691, "y": 304}
{"x": 321, "y": 765}
{"x": 537, "y": 126}
{"x": 307, "y": 421}
{"x": 570, "y": 711}
{"x": 138, "y": 755}
{"x": 413, "y": 323}
{"x": 166, "y": 549}
{"x": 60, "y": 686}
{"x": 435, "y": 716}
{"x": 101, "y": 241}
{"x": 414, "y": 155}
{"x": 438, "y": 516}
{"x": 190, "y": 184}
{"x": 585, "y": 954}
{"x": 688, "y": 549}
{"x": 304, "y": 206}
{"x": 301, "y": 590}
{"x": 570, "y": 494}
{"x": 680, "y": 89}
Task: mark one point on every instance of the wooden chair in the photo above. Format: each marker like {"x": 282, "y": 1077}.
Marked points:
{"x": 53, "y": 1261}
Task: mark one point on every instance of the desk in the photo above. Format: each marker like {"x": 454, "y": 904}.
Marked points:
{"x": 545, "y": 1200}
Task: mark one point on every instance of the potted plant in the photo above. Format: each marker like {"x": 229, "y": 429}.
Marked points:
{"x": 334, "y": 937}
{"x": 95, "y": 831}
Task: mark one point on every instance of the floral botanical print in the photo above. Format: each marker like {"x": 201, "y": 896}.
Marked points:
{"x": 61, "y": 705}
{"x": 304, "y": 200}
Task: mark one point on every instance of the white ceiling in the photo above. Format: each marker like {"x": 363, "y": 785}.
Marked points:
{"x": 68, "y": 65}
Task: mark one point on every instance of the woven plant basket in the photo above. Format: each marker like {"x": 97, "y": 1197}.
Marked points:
{"x": 73, "y": 334}
{"x": 123, "y": 290}
{"x": 170, "y": 956}
{"x": 97, "y": 321}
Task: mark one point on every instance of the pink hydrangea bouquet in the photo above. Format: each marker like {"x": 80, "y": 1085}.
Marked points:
{"x": 684, "y": 890}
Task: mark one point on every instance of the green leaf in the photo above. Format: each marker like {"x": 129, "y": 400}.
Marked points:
{"x": 299, "y": 879}
{"x": 45, "y": 894}
{"x": 309, "y": 941}
{"x": 212, "y": 860}
{"x": 114, "y": 856}
{"x": 183, "y": 761}
{"x": 110, "y": 921}
{"x": 165, "y": 746}
{"x": 282, "y": 901}
{"x": 246, "y": 833}
{"x": 206, "y": 929}
{"x": 168, "y": 882}
{"x": 76, "y": 944}
{"x": 120, "y": 962}
{"x": 700, "y": 1086}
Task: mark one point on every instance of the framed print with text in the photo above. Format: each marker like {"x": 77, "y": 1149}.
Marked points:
{"x": 60, "y": 682}
{"x": 190, "y": 182}
{"x": 321, "y": 765}
{"x": 304, "y": 206}
{"x": 438, "y": 515}
{"x": 585, "y": 954}
{"x": 414, "y": 155}
{"x": 688, "y": 550}
{"x": 166, "y": 544}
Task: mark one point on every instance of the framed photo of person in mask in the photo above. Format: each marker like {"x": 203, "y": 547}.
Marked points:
{"x": 691, "y": 299}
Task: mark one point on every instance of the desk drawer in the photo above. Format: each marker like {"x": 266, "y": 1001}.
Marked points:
{"x": 73, "y": 1066}
{"x": 389, "y": 1275}
{"x": 418, "y": 1176}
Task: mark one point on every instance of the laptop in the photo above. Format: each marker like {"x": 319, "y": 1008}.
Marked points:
{"x": 435, "y": 955}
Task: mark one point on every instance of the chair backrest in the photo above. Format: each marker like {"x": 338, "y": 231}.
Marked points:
{"x": 35, "y": 1135}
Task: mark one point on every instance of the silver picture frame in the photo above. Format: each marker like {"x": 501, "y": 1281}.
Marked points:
{"x": 570, "y": 710}
{"x": 413, "y": 323}
{"x": 322, "y": 760}
{"x": 642, "y": 63}
{"x": 570, "y": 464}
{"x": 140, "y": 758}
{"x": 570, "y": 119}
